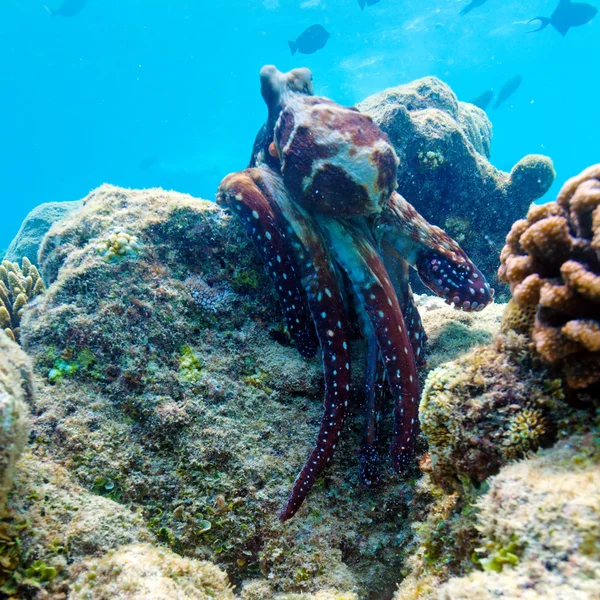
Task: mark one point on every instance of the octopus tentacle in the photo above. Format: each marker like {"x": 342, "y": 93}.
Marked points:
{"x": 441, "y": 263}
{"x": 364, "y": 267}
{"x": 397, "y": 269}
{"x": 326, "y": 302}
{"x": 243, "y": 194}
{"x": 374, "y": 395}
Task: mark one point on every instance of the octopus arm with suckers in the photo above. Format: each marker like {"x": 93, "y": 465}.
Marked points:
{"x": 319, "y": 200}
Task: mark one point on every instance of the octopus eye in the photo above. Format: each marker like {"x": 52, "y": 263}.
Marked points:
{"x": 273, "y": 150}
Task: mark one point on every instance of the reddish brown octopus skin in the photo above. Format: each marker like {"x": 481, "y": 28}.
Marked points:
{"x": 322, "y": 186}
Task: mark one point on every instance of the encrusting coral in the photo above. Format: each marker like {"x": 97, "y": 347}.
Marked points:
{"x": 552, "y": 262}
{"x": 18, "y": 285}
{"x": 490, "y": 406}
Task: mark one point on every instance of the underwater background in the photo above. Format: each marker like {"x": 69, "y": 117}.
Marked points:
{"x": 144, "y": 93}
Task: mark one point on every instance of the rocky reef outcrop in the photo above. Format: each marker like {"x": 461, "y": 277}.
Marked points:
{"x": 444, "y": 150}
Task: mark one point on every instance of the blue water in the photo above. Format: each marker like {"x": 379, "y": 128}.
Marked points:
{"x": 85, "y": 99}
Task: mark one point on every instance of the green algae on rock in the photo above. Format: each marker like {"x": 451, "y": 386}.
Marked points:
{"x": 488, "y": 407}
{"x": 197, "y": 411}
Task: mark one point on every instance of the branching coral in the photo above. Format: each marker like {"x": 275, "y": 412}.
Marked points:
{"x": 18, "y": 285}
{"x": 552, "y": 263}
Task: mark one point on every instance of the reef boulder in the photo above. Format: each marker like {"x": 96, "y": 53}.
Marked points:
{"x": 444, "y": 149}
{"x": 26, "y": 243}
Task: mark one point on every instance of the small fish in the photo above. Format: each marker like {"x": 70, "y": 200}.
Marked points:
{"x": 567, "y": 14}
{"x": 483, "y": 100}
{"x": 473, "y": 4}
{"x": 148, "y": 162}
{"x": 363, "y": 3}
{"x": 508, "y": 89}
{"x": 310, "y": 40}
{"x": 69, "y": 8}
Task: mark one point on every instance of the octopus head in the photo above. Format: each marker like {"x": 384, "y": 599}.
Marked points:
{"x": 334, "y": 160}
{"x": 459, "y": 282}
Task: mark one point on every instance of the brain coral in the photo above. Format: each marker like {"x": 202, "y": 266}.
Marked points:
{"x": 552, "y": 263}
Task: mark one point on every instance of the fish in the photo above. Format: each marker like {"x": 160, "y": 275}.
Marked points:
{"x": 69, "y": 8}
{"x": 148, "y": 162}
{"x": 363, "y": 3}
{"x": 508, "y": 89}
{"x": 310, "y": 40}
{"x": 483, "y": 100}
{"x": 473, "y": 4}
{"x": 567, "y": 14}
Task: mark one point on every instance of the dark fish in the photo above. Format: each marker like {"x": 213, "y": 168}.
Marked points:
{"x": 483, "y": 100}
{"x": 473, "y": 4}
{"x": 567, "y": 14}
{"x": 508, "y": 89}
{"x": 363, "y": 3}
{"x": 148, "y": 162}
{"x": 69, "y": 8}
{"x": 310, "y": 40}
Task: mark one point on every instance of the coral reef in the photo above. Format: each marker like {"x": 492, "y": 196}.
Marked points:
{"x": 35, "y": 226}
{"x": 488, "y": 407}
{"x": 552, "y": 262}
{"x": 444, "y": 149}
{"x": 16, "y": 388}
{"x": 17, "y": 287}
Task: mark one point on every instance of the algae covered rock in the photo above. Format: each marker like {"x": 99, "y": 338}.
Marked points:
{"x": 35, "y": 226}
{"x": 444, "y": 171}
{"x": 168, "y": 384}
{"x": 487, "y": 408}
{"x": 145, "y": 572}
{"x": 540, "y": 528}
{"x": 16, "y": 391}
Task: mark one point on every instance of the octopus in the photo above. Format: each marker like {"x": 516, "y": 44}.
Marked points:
{"x": 319, "y": 202}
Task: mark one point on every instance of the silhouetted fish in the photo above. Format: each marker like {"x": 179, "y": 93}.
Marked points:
{"x": 473, "y": 4}
{"x": 483, "y": 100}
{"x": 310, "y": 40}
{"x": 363, "y": 3}
{"x": 508, "y": 89}
{"x": 148, "y": 162}
{"x": 69, "y": 8}
{"x": 567, "y": 14}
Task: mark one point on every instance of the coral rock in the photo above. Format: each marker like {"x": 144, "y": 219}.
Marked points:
{"x": 16, "y": 391}
{"x": 144, "y": 572}
{"x": 552, "y": 262}
{"x": 28, "y": 240}
{"x": 444, "y": 151}
{"x": 486, "y": 408}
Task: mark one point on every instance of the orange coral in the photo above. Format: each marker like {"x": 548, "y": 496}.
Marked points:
{"x": 551, "y": 261}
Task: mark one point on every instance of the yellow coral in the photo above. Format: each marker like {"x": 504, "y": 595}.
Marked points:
{"x": 18, "y": 285}
{"x": 118, "y": 245}
{"x": 524, "y": 432}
